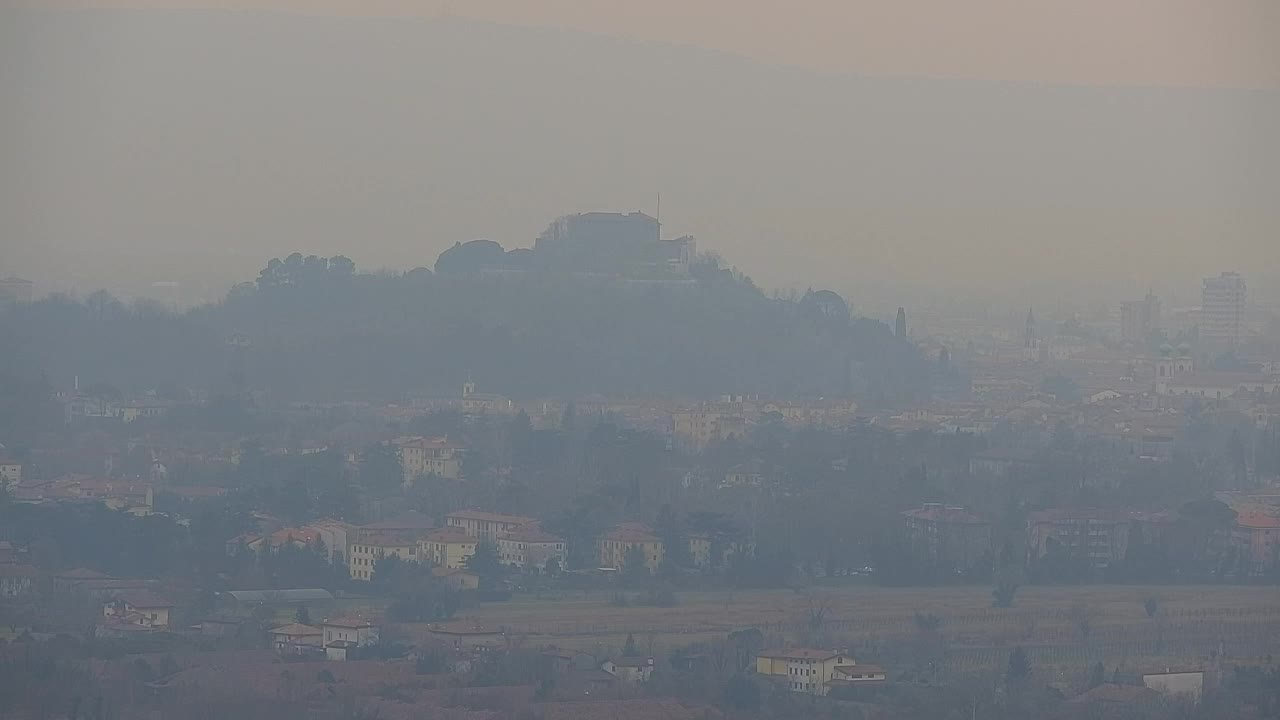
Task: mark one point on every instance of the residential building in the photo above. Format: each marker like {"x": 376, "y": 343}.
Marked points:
{"x": 135, "y": 410}
{"x": 857, "y": 676}
{"x": 486, "y": 525}
{"x": 139, "y": 607}
{"x": 369, "y": 547}
{"x": 1101, "y": 537}
{"x": 1187, "y": 684}
{"x": 629, "y": 669}
{"x": 805, "y": 670}
{"x": 1218, "y": 385}
{"x": 615, "y": 545}
{"x": 10, "y": 471}
{"x": 430, "y": 456}
{"x": 16, "y": 290}
{"x": 696, "y": 430}
{"x": 748, "y": 474}
{"x": 562, "y": 661}
{"x": 297, "y": 639}
{"x": 1139, "y": 318}
{"x": 17, "y": 580}
{"x": 477, "y": 403}
{"x": 1223, "y": 303}
{"x": 461, "y": 636}
{"x": 532, "y": 548}
{"x": 343, "y": 635}
{"x": 448, "y": 547}
{"x": 700, "y": 550}
{"x": 950, "y": 538}
{"x": 456, "y": 578}
{"x": 334, "y": 536}
{"x": 1256, "y": 536}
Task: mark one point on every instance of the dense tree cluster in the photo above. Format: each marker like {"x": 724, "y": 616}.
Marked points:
{"x": 311, "y": 327}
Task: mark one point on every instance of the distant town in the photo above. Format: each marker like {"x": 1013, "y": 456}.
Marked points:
{"x": 768, "y": 504}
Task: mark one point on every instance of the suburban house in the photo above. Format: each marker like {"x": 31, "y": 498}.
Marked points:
{"x": 629, "y": 669}
{"x": 561, "y": 661}
{"x": 616, "y": 543}
{"x": 139, "y": 607}
{"x": 430, "y": 456}
{"x": 297, "y": 639}
{"x": 486, "y": 525}
{"x": 856, "y": 676}
{"x": 342, "y": 635}
{"x": 456, "y": 578}
{"x": 448, "y": 547}
{"x": 805, "y": 670}
{"x": 531, "y": 547}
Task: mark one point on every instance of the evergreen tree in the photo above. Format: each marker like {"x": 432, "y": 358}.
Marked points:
{"x": 1019, "y": 667}
{"x": 629, "y": 648}
{"x": 1097, "y": 675}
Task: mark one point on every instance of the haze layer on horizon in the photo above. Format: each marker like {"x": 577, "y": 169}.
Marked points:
{"x": 997, "y": 158}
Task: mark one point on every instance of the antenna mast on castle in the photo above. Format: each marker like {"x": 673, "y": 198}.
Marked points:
{"x": 658, "y": 214}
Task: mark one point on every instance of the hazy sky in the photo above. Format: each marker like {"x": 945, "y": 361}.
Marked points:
{"x": 884, "y": 149}
{"x": 1144, "y": 42}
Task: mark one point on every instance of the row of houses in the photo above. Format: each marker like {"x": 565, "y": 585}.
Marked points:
{"x": 520, "y": 542}
{"x": 957, "y": 539}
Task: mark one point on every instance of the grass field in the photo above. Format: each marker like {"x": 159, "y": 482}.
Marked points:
{"x": 1063, "y": 627}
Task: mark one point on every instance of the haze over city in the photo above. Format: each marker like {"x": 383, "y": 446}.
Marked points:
{"x": 676, "y": 360}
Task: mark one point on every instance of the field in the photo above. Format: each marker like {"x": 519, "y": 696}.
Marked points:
{"x": 1064, "y": 629}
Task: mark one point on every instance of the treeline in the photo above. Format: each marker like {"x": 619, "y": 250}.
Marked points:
{"x": 314, "y": 328}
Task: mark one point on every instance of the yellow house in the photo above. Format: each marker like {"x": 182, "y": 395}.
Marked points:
{"x": 695, "y": 430}
{"x": 615, "y": 545}
{"x": 805, "y": 670}
{"x": 369, "y": 547}
{"x": 448, "y": 547}
{"x": 486, "y": 525}
{"x": 530, "y": 547}
{"x": 430, "y": 456}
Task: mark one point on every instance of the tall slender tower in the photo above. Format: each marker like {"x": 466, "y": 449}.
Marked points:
{"x": 1029, "y": 335}
{"x": 900, "y": 325}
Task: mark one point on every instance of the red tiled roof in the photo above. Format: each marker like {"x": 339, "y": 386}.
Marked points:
{"x": 144, "y": 599}
{"x": 349, "y": 622}
{"x": 946, "y": 515}
{"x": 492, "y": 517}
{"x": 532, "y": 535}
{"x": 296, "y": 629}
{"x": 1257, "y": 519}
{"x": 798, "y": 654}
{"x": 449, "y": 534}
{"x": 9, "y": 570}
